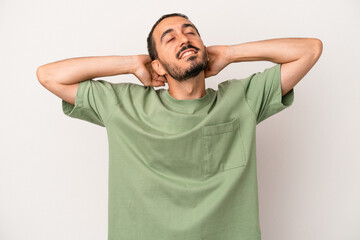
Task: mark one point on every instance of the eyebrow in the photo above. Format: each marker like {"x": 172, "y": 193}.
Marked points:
{"x": 185, "y": 25}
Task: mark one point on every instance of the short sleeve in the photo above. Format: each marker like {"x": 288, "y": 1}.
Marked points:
{"x": 263, "y": 93}
{"x": 95, "y": 100}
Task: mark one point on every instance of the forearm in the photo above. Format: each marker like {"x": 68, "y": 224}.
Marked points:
{"x": 281, "y": 50}
{"x": 75, "y": 70}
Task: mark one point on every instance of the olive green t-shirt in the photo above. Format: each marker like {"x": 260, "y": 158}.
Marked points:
{"x": 182, "y": 169}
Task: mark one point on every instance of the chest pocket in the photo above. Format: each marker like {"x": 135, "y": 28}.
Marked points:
{"x": 222, "y": 147}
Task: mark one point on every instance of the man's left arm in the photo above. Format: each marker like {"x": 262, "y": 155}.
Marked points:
{"x": 296, "y": 56}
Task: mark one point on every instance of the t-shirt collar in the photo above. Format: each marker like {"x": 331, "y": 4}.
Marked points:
{"x": 187, "y": 105}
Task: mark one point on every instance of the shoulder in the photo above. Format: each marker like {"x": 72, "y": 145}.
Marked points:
{"x": 133, "y": 90}
{"x": 230, "y": 85}
{"x": 128, "y": 86}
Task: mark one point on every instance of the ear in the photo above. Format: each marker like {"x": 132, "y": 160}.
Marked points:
{"x": 207, "y": 53}
{"x": 156, "y": 65}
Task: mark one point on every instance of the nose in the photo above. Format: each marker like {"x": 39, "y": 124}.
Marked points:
{"x": 183, "y": 39}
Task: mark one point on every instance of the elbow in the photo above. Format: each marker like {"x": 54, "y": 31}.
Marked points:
{"x": 41, "y": 75}
{"x": 316, "y": 47}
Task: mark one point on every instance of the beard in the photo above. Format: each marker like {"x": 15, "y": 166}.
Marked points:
{"x": 192, "y": 71}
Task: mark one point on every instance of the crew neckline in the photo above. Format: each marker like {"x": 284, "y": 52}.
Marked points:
{"x": 186, "y": 105}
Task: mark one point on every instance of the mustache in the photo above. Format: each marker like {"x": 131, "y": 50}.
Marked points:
{"x": 185, "y": 48}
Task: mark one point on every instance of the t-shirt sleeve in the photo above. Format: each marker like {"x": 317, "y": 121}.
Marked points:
{"x": 95, "y": 101}
{"x": 263, "y": 93}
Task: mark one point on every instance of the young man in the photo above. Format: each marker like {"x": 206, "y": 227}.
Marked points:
{"x": 182, "y": 161}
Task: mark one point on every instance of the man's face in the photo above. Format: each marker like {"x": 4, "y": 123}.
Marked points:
{"x": 180, "y": 49}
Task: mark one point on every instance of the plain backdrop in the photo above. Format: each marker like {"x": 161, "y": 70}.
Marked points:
{"x": 54, "y": 169}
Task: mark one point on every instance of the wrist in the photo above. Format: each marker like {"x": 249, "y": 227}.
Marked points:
{"x": 228, "y": 54}
{"x": 133, "y": 64}
{"x": 138, "y": 62}
{"x": 235, "y": 53}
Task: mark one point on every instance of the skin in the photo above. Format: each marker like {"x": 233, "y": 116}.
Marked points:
{"x": 168, "y": 49}
{"x": 296, "y": 56}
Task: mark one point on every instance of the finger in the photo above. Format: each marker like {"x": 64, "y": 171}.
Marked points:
{"x": 146, "y": 81}
{"x": 161, "y": 78}
{"x": 156, "y": 83}
{"x": 158, "y": 77}
{"x": 208, "y": 74}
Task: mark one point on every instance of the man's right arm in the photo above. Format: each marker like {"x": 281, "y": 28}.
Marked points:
{"x": 62, "y": 78}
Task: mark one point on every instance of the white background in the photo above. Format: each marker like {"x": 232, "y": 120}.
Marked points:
{"x": 54, "y": 169}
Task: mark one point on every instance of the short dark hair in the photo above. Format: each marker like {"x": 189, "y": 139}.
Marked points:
{"x": 150, "y": 40}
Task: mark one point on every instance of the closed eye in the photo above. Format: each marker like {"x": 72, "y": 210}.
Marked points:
{"x": 171, "y": 39}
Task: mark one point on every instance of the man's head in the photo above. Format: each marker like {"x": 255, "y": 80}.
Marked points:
{"x": 176, "y": 48}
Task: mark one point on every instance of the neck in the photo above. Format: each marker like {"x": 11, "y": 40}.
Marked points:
{"x": 191, "y": 88}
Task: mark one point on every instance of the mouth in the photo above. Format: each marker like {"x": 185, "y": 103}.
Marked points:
{"x": 187, "y": 53}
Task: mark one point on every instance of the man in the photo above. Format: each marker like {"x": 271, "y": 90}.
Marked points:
{"x": 182, "y": 161}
